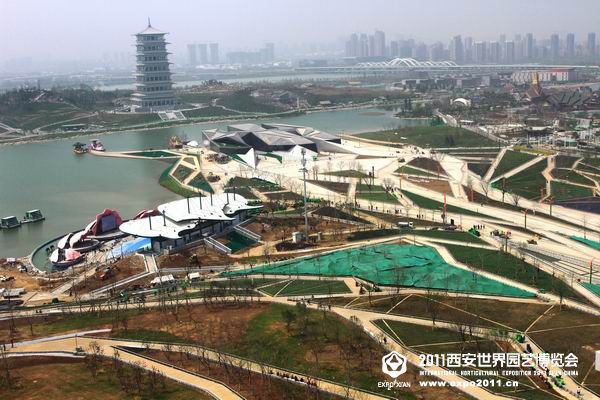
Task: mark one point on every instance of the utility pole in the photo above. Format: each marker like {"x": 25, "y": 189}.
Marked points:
{"x": 304, "y": 180}
{"x": 525, "y": 212}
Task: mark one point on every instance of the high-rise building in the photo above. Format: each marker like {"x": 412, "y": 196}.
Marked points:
{"x": 214, "y": 53}
{"x": 570, "y": 45}
{"x": 203, "y": 52}
{"x": 509, "y": 52}
{"x": 421, "y": 52}
{"x": 371, "y": 46}
{"x": 352, "y": 46}
{"x": 456, "y": 50}
{"x": 468, "y": 48}
{"x": 363, "y": 49}
{"x": 379, "y": 44}
{"x": 480, "y": 52}
{"x": 153, "y": 85}
{"x": 554, "y": 46}
{"x": 529, "y": 51}
{"x": 436, "y": 52}
{"x": 394, "y": 48}
{"x": 406, "y": 49}
{"x": 269, "y": 52}
{"x": 192, "y": 59}
{"x": 591, "y": 44}
{"x": 494, "y": 52}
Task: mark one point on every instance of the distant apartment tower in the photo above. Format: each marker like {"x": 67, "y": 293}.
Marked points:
{"x": 214, "y": 53}
{"x": 480, "y": 52}
{"x": 591, "y": 44}
{"x": 379, "y": 44}
{"x": 509, "y": 52}
{"x": 394, "y": 48}
{"x": 554, "y": 47}
{"x": 570, "y": 45}
{"x": 529, "y": 50}
{"x": 203, "y": 53}
{"x": 192, "y": 55}
{"x": 269, "y": 50}
{"x": 468, "y": 48}
{"x": 153, "y": 85}
{"x": 494, "y": 52}
{"x": 457, "y": 53}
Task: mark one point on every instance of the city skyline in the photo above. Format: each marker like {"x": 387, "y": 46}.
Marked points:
{"x": 70, "y": 33}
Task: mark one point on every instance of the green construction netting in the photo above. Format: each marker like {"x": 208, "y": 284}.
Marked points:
{"x": 237, "y": 242}
{"x": 593, "y": 244}
{"x": 391, "y": 264}
{"x": 592, "y": 288}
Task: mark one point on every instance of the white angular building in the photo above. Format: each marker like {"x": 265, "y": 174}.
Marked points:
{"x": 153, "y": 84}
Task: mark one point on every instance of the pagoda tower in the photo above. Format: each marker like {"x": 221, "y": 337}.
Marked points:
{"x": 153, "y": 85}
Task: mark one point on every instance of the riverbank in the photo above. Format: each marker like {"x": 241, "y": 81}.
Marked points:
{"x": 198, "y": 121}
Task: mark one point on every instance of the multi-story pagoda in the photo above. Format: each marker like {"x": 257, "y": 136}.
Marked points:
{"x": 153, "y": 84}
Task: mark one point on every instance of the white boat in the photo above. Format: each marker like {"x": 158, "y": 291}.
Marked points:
{"x": 96, "y": 145}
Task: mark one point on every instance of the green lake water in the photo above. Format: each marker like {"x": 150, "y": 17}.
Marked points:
{"x": 70, "y": 190}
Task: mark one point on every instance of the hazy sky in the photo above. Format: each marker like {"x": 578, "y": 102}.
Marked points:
{"x": 85, "y": 29}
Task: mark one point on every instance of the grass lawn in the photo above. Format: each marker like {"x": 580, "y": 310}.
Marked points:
{"x": 42, "y": 114}
{"x": 171, "y": 184}
{"x": 243, "y": 191}
{"x": 562, "y": 161}
{"x": 458, "y": 236}
{"x": 284, "y": 196}
{"x": 587, "y": 168}
{"x": 425, "y": 202}
{"x": 316, "y": 287}
{"x": 571, "y": 176}
{"x": 201, "y": 183}
{"x": 260, "y": 184}
{"x": 510, "y": 161}
{"x": 479, "y": 168}
{"x": 565, "y": 191}
{"x": 383, "y": 197}
{"x": 348, "y": 173}
{"x": 411, "y": 334}
{"x": 242, "y": 101}
{"x": 509, "y": 266}
{"x": 408, "y": 170}
{"x": 526, "y": 183}
{"x": 333, "y": 212}
{"x": 209, "y": 111}
{"x": 338, "y": 187}
{"x": 430, "y": 136}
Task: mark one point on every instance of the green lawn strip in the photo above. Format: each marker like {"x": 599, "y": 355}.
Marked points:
{"x": 168, "y": 182}
{"x": 511, "y": 267}
{"x": 478, "y": 168}
{"x": 372, "y": 234}
{"x": 338, "y": 187}
{"x": 412, "y": 334}
{"x": 425, "y": 202}
{"x": 316, "y": 287}
{"x": 430, "y": 136}
{"x": 382, "y": 197}
{"x": 201, "y": 183}
{"x": 242, "y": 191}
{"x": 239, "y": 181}
{"x": 571, "y": 176}
{"x": 209, "y": 111}
{"x": 565, "y": 191}
{"x": 511, "y": 160}
{"x": 333, "y": 212}
{"x": 594, "y": 162}
{"x": 349, "y": 173}
{"x": 243, "y": 101}
{"x": 526, "y": 183}
{"x": 273, "y": 289}
{"x": 408, "y": 170}
{"x": 588, "y": 168}
{"x": 457, "y": 236}
{"x": 562, "y": 161}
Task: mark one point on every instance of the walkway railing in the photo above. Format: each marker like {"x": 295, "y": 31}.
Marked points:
{"x": 245, "y": 232}
{"x": 210, "y": 242}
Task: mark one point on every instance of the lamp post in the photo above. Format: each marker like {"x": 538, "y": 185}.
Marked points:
{"x": 303, "y": 152}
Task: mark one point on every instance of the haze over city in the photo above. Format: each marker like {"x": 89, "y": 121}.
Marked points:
{"x": 87, "y": 30}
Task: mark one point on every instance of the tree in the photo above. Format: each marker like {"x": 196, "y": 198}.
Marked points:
{"x": 93, "y": 358}
{"x": 515, "y": 199}
{"x": 485, "y": 188}
{"x": 289, "y": 317}
{"x": 388, "y": 184}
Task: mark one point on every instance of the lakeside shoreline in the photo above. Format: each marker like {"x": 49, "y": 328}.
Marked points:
{"x": 44, "y": 137}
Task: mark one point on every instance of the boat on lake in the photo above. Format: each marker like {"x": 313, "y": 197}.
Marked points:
{"x": 80, "y": 148}
{"x": 9, "y": 222}
{"x": 65, "y": 258}
{"x": 32, "y": 216}
{"x": 96, "y": 145}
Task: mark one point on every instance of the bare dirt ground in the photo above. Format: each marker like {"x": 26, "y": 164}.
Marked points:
{"x": 272, "y": 229}
{"x": 119, "y": 270}
{"x": 205, "y": 255}
{"x": 439, "y": 186}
